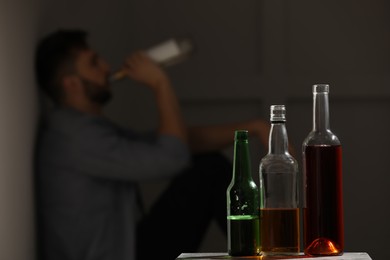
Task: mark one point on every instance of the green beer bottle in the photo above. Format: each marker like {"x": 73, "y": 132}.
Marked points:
{"x": 242, "y": 203}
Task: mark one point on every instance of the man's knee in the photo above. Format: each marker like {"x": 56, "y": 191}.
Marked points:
{"x": 213, "y": 159}
{"x": 215, "y": 165}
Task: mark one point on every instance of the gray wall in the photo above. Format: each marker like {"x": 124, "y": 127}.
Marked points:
{"x": 251, "y": 54}
{"x": 18, "y": 111}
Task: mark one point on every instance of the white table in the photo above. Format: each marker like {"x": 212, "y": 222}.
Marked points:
{"x": 214, "y": 256}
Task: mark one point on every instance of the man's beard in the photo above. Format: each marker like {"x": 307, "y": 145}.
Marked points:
{"x": 99, "y": 94}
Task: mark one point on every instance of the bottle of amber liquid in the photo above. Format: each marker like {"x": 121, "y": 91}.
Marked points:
{"x": 279, "y": 212}
{"x": 322, "y": 162}
{"x": 242, "y": 198}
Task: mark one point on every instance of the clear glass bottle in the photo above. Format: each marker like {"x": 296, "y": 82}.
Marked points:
{"x": 279, "y": 213}
{"x": 322, "y": 161}
{"x": 167, "y": 53}
{"x": 172, "y": 51}
{"x": 242, "y": 202}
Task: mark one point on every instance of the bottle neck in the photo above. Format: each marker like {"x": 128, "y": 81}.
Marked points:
{"x": 320, "y": 112}
{"x": 241, "y": 161}
{"x": 278, "y": 140}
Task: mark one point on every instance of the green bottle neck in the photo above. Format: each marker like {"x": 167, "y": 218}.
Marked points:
{"x": 241, "y": 161}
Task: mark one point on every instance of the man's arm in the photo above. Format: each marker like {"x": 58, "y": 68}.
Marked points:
{"x": 217, "y": 137}
{"x": 142, "y": 69}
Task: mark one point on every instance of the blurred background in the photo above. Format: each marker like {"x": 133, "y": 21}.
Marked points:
{"x": 250, "y": 54}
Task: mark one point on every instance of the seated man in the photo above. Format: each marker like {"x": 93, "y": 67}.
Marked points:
{"x": 88, "y": 168}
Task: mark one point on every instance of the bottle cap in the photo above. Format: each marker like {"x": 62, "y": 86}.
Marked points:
{"x": 241, "y": 135}
{"x": 278, "y": 113}
{"x": 320, "y": 88}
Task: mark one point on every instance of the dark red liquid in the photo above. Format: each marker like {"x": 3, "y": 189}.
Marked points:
{"x": 323, "y": 211}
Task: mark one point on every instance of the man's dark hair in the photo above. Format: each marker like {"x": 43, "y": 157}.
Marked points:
{"x": 54, "y": 58}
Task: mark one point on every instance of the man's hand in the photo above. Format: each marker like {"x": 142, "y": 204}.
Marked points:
{"x": 140, "y": 68}
{"x": 217, "y": 137}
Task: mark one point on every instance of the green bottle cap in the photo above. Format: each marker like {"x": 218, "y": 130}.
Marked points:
{"x": 241, "y": 135}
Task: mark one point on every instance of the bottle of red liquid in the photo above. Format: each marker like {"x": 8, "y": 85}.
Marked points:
{"x": 323, "y": 222}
